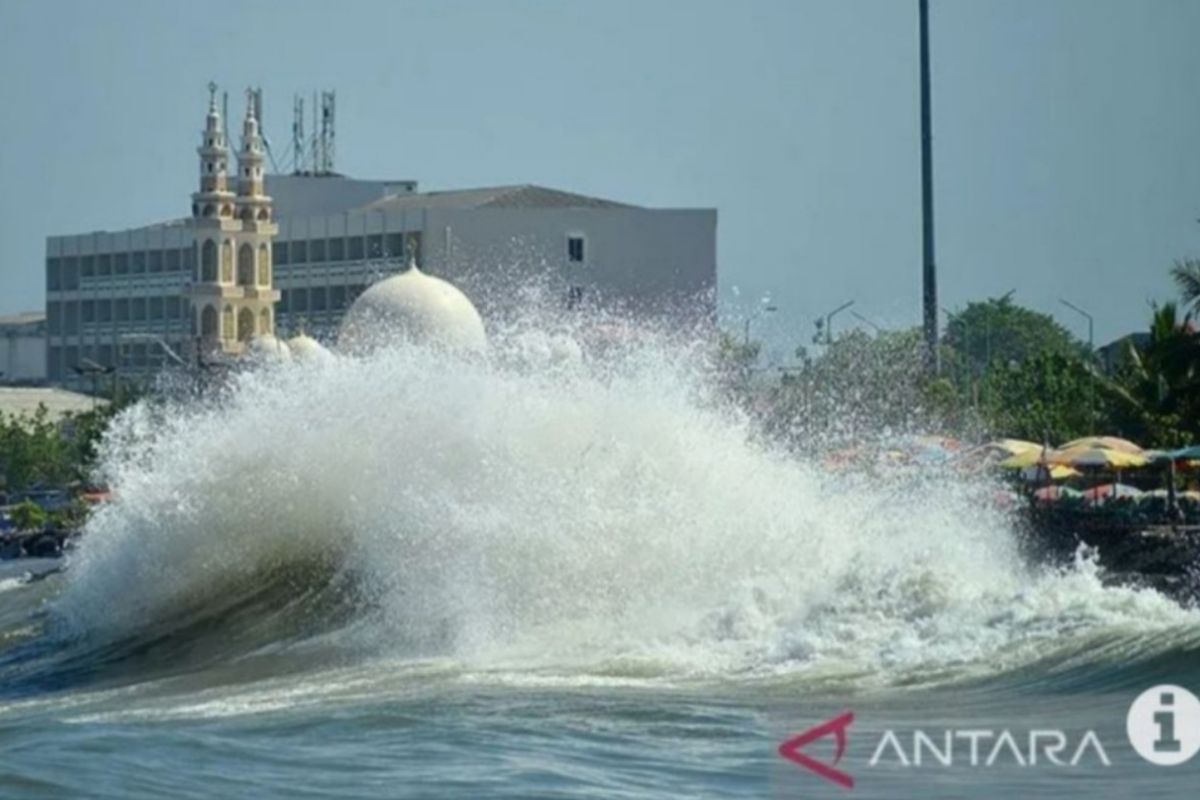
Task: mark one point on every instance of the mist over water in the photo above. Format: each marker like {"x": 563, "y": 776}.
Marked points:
{"x": 541, "y": 515}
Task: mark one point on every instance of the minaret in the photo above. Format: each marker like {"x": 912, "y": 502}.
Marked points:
{"x": 231, "y": 294}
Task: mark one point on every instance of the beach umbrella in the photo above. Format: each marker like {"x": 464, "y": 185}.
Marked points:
{"x": 1058, "y": 472}
{"x": 1026, "y": 458}
{"x": 1104, "y": 443}
{"x": 1053, "y": 494}
{"x": 1185, "y": 453}
{"x": 1110, "y": 491}
{"x": 1096, "y": 458}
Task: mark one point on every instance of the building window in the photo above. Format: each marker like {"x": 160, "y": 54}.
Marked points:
{"x": 281, "y": 253}
{"x": 156, "y": 308}
{"x": 299, "y": 252}
{"x": 316, "y": 250}
{"x": 53, "y": 275}
{"x": 227, "y": 323}
{"x": 87, "y": 266}
{"x": 71, "y": 318}
{"x": 395, "y": 245}
{"x": 104, "y": 264}
{"x": 121, "y": 309}
{"x": 174, "y": 308}
{"x": 208, "y": 322}
{"x": 138, "y": 309}
{"x": 70, "y": 273}
{"x": 174, "y": 260}
{"x": 227, "y": 261}
{"x": 139, "y": 262}
{"x": 337, "y": 249}
{"x": 54, "y": 318}
{"x": 104, "y": 310}
{"x": 88, "y": 311}
{"x": 156, "y": 261}
{"x": 208, "y": 261}
{"x": 375, "y": 245}
{"x": 285, "y": 297}
{"x": 121, "y": 264}
{"x": 245, "y": 270}
{"x": 337, "y": 297}
{"x": 354, "y": 248}
{"x": 317, "y": 299}
{"x": 575, "y": 249}
{"x": 300, "y": 300}
{"x": 104, "y": 354}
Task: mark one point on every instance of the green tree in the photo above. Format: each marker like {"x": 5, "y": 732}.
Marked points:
{"x": 1157, "y": 391}
{"x": 28, "y": 516}
{"x": 998, "y": 331}
{"x": 1187, "y": 277}
{"x": 1049, "y": 396}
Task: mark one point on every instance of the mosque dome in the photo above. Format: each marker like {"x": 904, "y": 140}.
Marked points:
{"x": 267, "y": 347}
{"x": 416, "y": 307}
{"x": 306, "y": 348}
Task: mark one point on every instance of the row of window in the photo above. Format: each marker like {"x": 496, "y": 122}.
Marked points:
{"x": 64, "y": 273}
{"x": 318, "y": 298}
{"x": 349, "y": 248}
{"x": 66, "y": 317}
{"x": 67, "y": 362}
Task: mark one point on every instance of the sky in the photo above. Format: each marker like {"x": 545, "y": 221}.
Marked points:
{"x": 1066, "y": 132}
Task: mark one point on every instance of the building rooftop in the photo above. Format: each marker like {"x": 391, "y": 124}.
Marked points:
{"x": 520, "y": 196}
{"x": 23, "y": 401}
{"x": 22, "y": 319}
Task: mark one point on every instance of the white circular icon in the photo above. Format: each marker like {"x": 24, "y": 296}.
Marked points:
{"x": 1164, "y": 725}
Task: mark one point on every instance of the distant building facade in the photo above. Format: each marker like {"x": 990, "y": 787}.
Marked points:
{"x": 291, "y": 252}
{"x": 23, "y": 348}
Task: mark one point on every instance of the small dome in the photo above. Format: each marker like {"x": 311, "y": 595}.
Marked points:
{"x": 416, "y": 307}
{"x": 306, "y": 348}
{"x": 267, "y": 347}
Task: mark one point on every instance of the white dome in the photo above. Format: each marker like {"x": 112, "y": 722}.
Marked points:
{"x": 266, "y": 346}
{"x": 306, "y": 348}
{"x": 413, "y": 306}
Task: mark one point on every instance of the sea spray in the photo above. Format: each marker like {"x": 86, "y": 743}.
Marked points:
{"x": 553, "y": 509}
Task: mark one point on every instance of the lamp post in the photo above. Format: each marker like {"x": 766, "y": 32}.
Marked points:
{"x": 1091, "y": 351}
{"x": 861, "y": 318}
{"x": 1090, "y": 322}
{"x": 766, "y": 308}
{"x": 829, "y": 320}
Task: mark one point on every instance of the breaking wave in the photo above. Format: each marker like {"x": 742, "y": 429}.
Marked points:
{"x": 542, "y": 515}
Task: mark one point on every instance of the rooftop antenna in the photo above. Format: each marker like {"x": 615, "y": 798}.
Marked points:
{"x": 328, "y": 109}
{"x": 298, "y": 134}
{"x": 225, "y": 114}
{"x": 314, "y": 161}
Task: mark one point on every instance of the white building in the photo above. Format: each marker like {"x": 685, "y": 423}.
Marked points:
{"x": 23, "y": 348}
{"x": 112, "y": 297}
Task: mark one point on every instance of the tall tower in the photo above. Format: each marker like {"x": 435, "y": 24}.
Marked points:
{"x": 232, "y": 294}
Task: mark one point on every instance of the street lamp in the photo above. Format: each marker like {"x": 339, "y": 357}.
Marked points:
{"x": 1091, "y": 350}
{"x": 861, "y": 318}
{"x": 829, "y": 320}
{"x": 1088, "y": 317}
{"x": 767, "y": 308}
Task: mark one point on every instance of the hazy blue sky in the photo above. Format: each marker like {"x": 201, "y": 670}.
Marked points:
{"x": 1067, "y": 134}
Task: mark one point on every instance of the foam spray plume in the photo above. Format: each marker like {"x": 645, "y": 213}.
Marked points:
{"x": 539, "y": 512}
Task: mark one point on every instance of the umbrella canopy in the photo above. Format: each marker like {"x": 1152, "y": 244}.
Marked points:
{"x": 1096, "y": 458}
{"x": 1104, "y": 443}
{"x": 1058, "y": 472}
{"x": 1026, "y": 458}
{"x": 1052, "y": 494}
{"x": 1111, "y": 491}
{"x": 1185, "y": 453}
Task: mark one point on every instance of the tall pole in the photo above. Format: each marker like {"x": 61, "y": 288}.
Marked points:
{"x": 930, "y": 270}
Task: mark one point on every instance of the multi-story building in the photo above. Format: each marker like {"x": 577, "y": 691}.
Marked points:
{"x": 286, "y": 252}
{"x": 23, "y": 348}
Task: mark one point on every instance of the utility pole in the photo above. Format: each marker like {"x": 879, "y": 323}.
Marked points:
{"x": 929, "y": 275}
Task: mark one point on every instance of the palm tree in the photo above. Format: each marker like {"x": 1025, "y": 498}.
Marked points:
{"x": 1187, "y": 276}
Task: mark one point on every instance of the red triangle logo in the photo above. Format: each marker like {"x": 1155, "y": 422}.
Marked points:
{"x": 837, "y": 728}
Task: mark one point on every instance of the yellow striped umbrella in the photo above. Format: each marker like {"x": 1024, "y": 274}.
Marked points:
{"x": 1103, "y": 443}
{"x": 1096, "y": 458}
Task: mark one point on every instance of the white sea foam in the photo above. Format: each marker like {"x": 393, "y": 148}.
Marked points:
{"x": 542, "y": 512}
